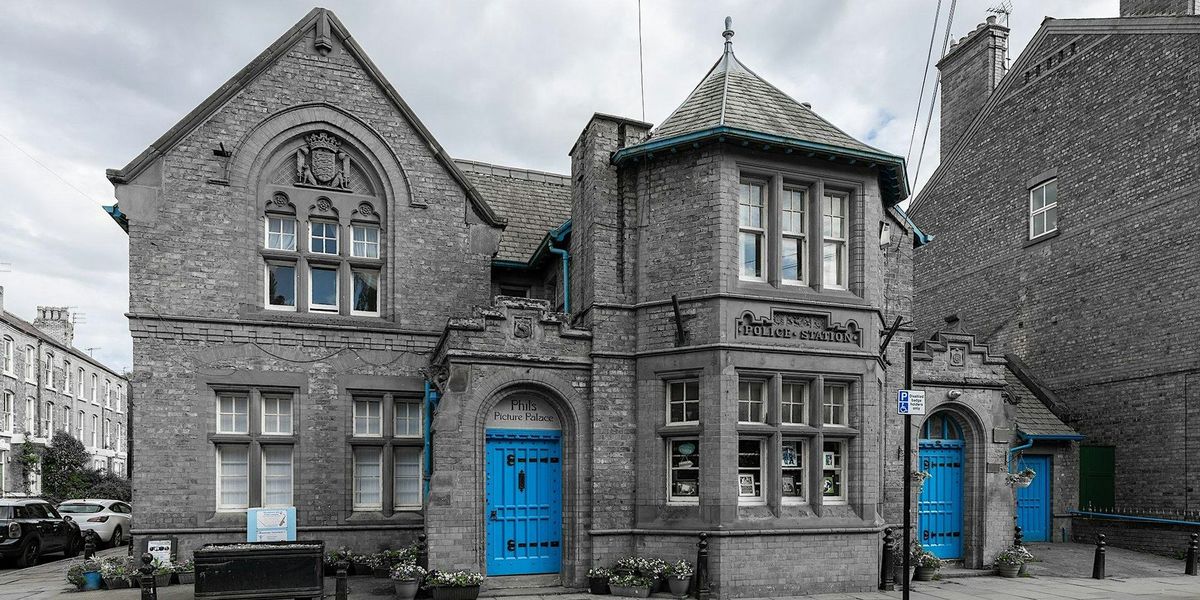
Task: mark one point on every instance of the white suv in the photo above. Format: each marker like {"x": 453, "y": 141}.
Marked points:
{"x": 110, "y": 519}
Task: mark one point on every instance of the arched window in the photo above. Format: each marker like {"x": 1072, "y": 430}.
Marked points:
{"x": 323, "y": 245}
{"x": 941, "y": 426}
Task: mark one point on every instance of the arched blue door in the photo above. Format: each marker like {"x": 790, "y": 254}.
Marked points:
{"x": 940, "y": 505}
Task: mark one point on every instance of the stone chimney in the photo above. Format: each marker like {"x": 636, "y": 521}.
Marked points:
{"x": 970, "y": 71}
{"x": 55, "y": 321}
{"x": 1156, "y": 8}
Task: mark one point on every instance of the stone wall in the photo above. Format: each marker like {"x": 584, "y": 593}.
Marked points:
{"x": 1166, "y": 539}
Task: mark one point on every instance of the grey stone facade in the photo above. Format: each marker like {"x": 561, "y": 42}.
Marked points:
{"x": 593, "y": 295}
{"x": 47, "y": 386}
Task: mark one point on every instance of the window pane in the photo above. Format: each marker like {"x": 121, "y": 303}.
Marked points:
{"x": 793, "y": 210}
{"x": 408, "y": 419}
{"x": 281, "y": 286}
{"x": 1037, "y": 199}
{"x": 324, "y": 238}
{"x": 367, "y": 417}
{"x": 366, "y": 291}
{"x": 833, "y": 260}
{"x": 232, "y": 414}
{"x": 791, "y": 266}
{"x": 407, "y": 471}
{"x": 834, "y": 407}
{"x": 685, "y": 469}
{"x": 281, "y": 233}
{"x": 1051, "y": 192}
{"x": 751, "y": 254}
{"x": 832, "y": 471}
{"x": 233, "y": 472}
{"x": 792, "y": 404}
{"x": 1051, "y": 218}
{"x": 277, "y": 475}
{"x": 749, "y": 469}
{"x": 792, "y": 469}
{"x": 277, "y": 415}
{"x": 366, "y": 241}
{"x": 750, "y": 401}
{"x": 683, "y": 402}
{"x": 324, "y": 287}
{"x": 1039, "y": 224}
{"x": 367, "y": 478}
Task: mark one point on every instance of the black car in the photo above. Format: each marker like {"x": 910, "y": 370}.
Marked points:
{"x": 30, "y": 527}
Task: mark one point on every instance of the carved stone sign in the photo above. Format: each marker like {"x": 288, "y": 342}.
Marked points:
{"x": 957, "y": 356}
{"x": 522, "y": 327}
{"x": 523, "y": 412}
{"x": 794, "y": 325}
{"x": 321, "y": 162}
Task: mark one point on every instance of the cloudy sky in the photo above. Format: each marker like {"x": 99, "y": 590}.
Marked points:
{"x": 87, "y": 85}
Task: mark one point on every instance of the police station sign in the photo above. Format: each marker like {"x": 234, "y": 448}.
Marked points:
{"x": 523, "y": 412}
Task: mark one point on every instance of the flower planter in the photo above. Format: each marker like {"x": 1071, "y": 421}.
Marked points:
{"x": 162, "y": 579}
{"x": 598, "y": 585}
{"x": 445, "y": 592}
{"x": 659, "y": 584}
{"x": 363, "y": 569}
{"x": 679, "y": 585}
{"x": 407, "y": 590}
{"x": 631, "y": 592}
{"x": 1008, "y": 570}
{"x": 91, "y": 580}
{"x": 924, "y": 573}
{"x": 380, "y": 572}
{"x": 260, "y": 570}
{"x": 186, "y": 577}
{"x": 116, "y": 583}
{"x": 1022, "y": 571}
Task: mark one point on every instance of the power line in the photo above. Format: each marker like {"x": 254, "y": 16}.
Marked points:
{"x": 48, "y": 169}
{"x": 936, "y": 83}
{"x": 937, "y": 14}
{"x": 641, "y": 69}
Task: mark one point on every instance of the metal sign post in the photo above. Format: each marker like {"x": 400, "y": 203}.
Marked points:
{"x": 908, "y": 469}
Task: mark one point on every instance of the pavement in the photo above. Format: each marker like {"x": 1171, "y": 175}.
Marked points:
{"x": 1061, "y": 573}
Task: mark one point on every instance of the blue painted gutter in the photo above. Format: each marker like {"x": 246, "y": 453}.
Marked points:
{"x": 114, "y": 211}
{"x": 431, "y": 402}
{"x": 1055, "y": 437}
{"x": 920, "y": 238}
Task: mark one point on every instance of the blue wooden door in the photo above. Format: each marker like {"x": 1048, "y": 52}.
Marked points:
{"x": 940, "y": 505}
{"x": 523, "y": 505}
{"x": 1033, "y": 502}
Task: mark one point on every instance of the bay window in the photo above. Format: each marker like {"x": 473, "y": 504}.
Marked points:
{"x": 752, "y": 230}
{"x": 833, "y": 225}
{"x": 750, "y": 470}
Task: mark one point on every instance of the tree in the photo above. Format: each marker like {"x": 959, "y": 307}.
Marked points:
{"x": 27, "y": 458}
{"x": 64, "y": 468}
{"x": 110, "y": 486}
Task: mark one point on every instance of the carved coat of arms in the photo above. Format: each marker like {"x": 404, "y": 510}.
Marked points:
{"x": 523, "y": 327}
{"x": 322, "y": 162}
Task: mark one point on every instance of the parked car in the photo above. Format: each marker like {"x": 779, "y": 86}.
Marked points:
{"x": 110, "y": 519}
{"x": 31, "y": 527}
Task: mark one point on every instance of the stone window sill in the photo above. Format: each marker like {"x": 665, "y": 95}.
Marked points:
{"x": 1042, "y": 238}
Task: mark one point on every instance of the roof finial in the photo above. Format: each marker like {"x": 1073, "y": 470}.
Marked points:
{"x": 728, "y": 34}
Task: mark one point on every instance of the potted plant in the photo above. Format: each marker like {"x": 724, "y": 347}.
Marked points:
{"x": 925, "y": 564}
{"x": 342, "y": 554}
{"x": 679, "y": 577}
{"x": 630, "y": 565}
{"x": 598, "y": 580}
{"x": 185, "y": 573}
{"x": 162, "y": 573}
{"x": 455, "y": 585}
{"x": 1020, "y": 479}
{"x": 632, "y": 586}
{"x": 407, "y": 578}
{"x": 381, "y": 564}
{"x": 919, "y": 477}
{"x": 116, "y": 571}
{"x": 84, "y": 575}
{"x": 364, "y": 564}
{"x": 1010, "y": 560}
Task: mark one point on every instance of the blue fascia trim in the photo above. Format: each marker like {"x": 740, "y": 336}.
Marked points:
{"x": 114, "y": 211}
{"x": 1117, "y": 517}
{"x": 1068, "y": 437}
{"x": 544, "y": 434}
{"x": 919, "y": 237}
{"x": 897, "y": 179}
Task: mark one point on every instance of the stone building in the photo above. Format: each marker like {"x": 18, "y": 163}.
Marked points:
{"x": 543, "y": 373}
{"x": 47, "y": 386}
{"x": 1063, "y": 212}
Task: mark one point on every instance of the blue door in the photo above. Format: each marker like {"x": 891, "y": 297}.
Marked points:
{"x": 940, "y": 505}
{"x": 1033, "y": 502}
{"x": 523, "y": 501}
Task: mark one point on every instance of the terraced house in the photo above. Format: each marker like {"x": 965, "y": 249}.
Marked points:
{"x": 47, "y": 386}
{"x": 541, "y": 372}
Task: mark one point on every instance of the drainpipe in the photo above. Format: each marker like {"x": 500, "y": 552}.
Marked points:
{"x": 566, "y": 280}
{"x": 431, "y": 402}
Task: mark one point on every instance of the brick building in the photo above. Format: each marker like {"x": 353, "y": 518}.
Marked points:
{"x": 543, "y": 373}
{"x": 47, "y": 386}
{"x": 1063, "y": 211}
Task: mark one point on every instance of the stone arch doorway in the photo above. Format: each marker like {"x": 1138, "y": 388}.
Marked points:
{"x": 941, "y": 504}
{"x": 523, "y": 485}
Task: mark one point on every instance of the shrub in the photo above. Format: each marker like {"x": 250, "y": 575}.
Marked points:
{"x": 64, "y": 468}
{"x": 107, "y": 485}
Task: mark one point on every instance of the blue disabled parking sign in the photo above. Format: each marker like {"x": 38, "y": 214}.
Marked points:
{"x": 910, "y": 402}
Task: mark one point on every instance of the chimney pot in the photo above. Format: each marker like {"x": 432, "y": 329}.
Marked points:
{"x": 991, "y": 20}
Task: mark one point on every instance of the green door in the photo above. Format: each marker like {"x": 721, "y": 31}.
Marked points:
{"x": 1097, "y": 476}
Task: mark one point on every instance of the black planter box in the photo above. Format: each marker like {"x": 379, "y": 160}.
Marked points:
{"x": 260, "y": 570}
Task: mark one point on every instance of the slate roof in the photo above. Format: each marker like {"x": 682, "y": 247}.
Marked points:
{"x": 1033, "y": 416}
{"x": 534, "y": 202}
{"x": 732, "y": 95}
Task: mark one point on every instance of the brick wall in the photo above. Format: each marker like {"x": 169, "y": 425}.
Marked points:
{"x": 1167, "y": 539}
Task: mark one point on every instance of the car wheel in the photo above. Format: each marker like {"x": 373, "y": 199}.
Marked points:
{"x": 29, "y": 554}
{"x": 118, "y": 537}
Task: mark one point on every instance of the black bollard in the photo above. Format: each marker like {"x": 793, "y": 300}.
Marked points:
{"x": 341, "y": 587}
{"x": 89, "y": 544}
{"x": 887, "y": 567}
{"x": 149, "y": 589}
{"x": 1190, "y": 569}
{"x": 1098, "y": 562}
{"x": 703, "y": 592}
{"x": 422, "y": 551}
{"x": 1018, "y": 539}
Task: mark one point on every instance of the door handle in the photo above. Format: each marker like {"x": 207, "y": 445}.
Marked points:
{"x": 521, "y": 480}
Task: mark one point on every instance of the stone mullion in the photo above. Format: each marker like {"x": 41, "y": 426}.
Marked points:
{"x": 816, "y": 237}
{"x": 388, "y": 463}
{"x": 817, "y": 495}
